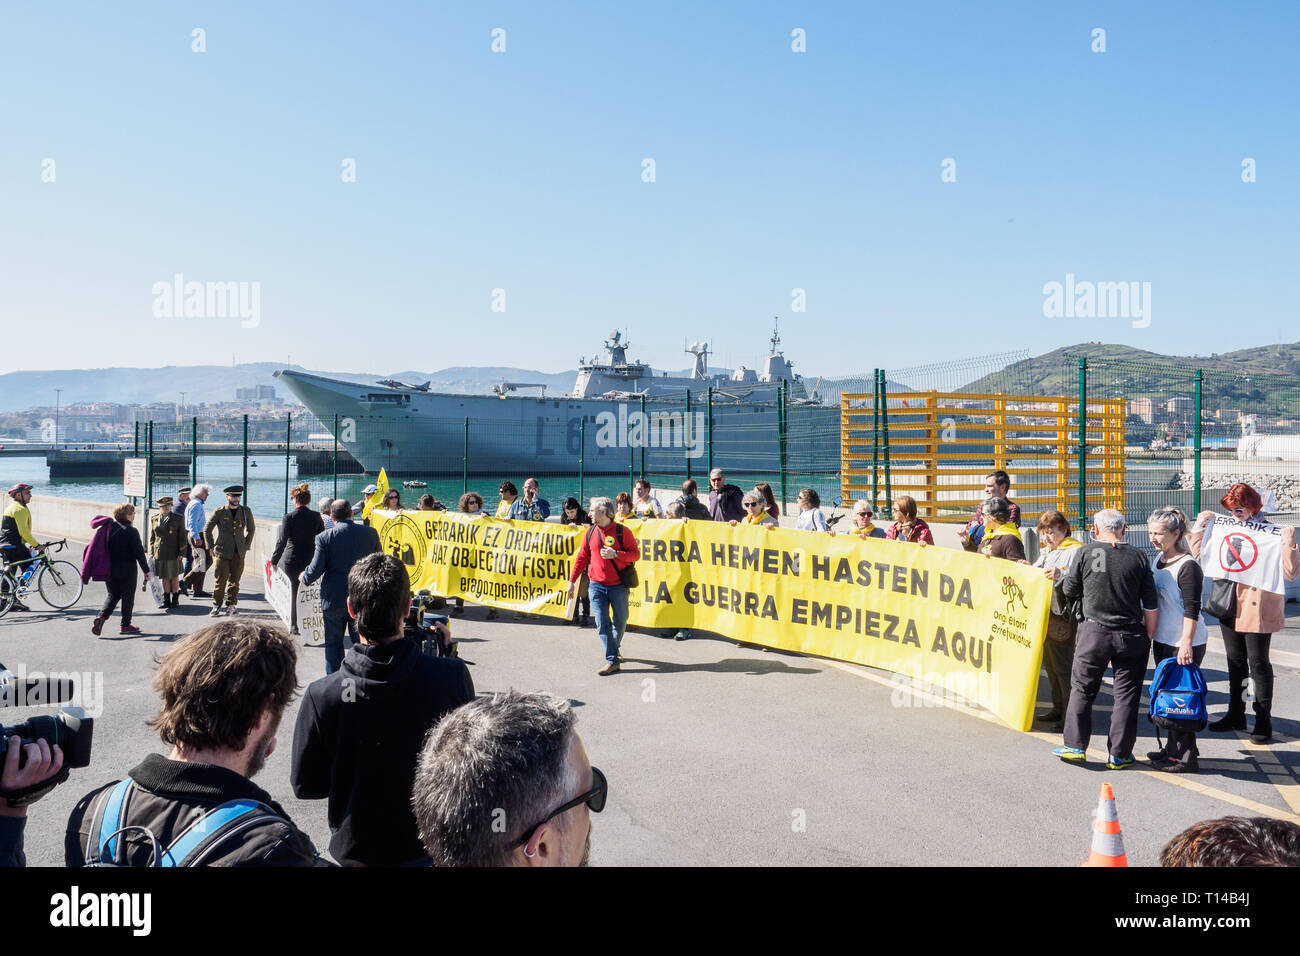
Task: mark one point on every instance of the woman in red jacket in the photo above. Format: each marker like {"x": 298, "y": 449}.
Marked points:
{"x": 607, "y": 548}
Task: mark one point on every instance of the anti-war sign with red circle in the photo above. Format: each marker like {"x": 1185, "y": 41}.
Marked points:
{"x": 1238, "y": 552}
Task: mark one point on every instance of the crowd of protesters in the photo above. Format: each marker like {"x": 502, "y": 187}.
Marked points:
{"x": 419, "y": 796}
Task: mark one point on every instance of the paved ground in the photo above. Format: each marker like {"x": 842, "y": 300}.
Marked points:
{"x": 724, "y": 755}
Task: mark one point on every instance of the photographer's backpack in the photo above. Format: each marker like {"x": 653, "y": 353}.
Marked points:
{"x": 1178, "y": 697}
{"x": 196, "y": 845}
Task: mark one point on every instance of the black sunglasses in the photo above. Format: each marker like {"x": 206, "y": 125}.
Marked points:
{"x": 593, "y": 798}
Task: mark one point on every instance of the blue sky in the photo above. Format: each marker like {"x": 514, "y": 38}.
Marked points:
{"x": 522, "y": 170}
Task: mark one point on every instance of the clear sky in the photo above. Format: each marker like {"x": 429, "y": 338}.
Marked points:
{"x": 522, "y": 171}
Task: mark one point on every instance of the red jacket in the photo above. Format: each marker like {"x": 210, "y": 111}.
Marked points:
{"x": 598, "y": 569}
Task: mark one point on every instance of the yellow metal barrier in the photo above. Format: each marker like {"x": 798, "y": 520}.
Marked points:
{"x": 942, "y": 445}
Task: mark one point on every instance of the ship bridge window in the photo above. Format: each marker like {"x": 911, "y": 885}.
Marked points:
{"x": 399, "y": 400}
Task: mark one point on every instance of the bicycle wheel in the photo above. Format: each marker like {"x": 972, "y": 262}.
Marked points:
{"x": 60, "y": 584}
{"x": 6, "y": 594}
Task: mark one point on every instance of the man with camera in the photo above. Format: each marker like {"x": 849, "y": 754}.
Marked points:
{"x": 360, "y": 729}
{"x": 224, "y": 689}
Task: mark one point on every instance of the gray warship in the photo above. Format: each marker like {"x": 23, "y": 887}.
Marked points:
{"x": 618, "y": 410}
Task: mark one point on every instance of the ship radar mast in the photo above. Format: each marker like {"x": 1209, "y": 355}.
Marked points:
{"x": 701, "y": 352}
{"x": 617, "y": 348}
{"x": 776, "y": 334}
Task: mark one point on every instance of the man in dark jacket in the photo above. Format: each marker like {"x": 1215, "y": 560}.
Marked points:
{"x": 224, "y": 689}
{"x": 361, "y": 728}
{"x": 297, "y": 544}
{"x": 726, "y": 502}
{"x": 692, "y": 506}
{"x": 337, "y": 550}
{"x": 1118, "y": 590}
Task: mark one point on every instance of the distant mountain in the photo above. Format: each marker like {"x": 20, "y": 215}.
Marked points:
{"x": 217, "y": 383}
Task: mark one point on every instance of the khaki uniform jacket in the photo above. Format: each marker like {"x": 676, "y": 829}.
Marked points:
{"x": 229, "y": 533}
{"x": 167, "y": 539}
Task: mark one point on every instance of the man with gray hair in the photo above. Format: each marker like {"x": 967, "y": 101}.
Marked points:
{"x": 195, "y": 521}
{"x": 1118, "y": 591}
{"x": 505, "y": 781}
{"x": 607, "y": 551}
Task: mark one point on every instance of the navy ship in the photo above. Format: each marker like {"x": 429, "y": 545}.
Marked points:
{"x": 617, "y": 408}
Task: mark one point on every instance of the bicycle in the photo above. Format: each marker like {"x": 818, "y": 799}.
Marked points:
{"x": 57, "y": 582}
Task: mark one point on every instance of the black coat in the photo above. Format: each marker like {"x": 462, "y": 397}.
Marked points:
{"x": 125, "y": 549}
{"x": 297, "y": 541}
{"x": 359, "y": 733}
{"x": 337, "y": 549}
{"x": 168, "y": 794}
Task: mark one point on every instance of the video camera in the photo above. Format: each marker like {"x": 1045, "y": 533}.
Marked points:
{"x": 431, "y": 641}
{"x": 69, "y": 729}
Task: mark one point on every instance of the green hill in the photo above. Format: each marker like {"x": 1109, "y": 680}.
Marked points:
{"x": 1263, "y": 380}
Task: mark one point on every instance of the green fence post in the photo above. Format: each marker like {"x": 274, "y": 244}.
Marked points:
{"x": 288, "y": 440}
{"x": 464, "y": 461}
{"x": 1196, "y": 451}
{"x": 710, "y": 432}
{"x": 631, "y": 461}
{"x": 148, "y": 472}
{"x": 582, "y": 453}
{"x": 1083, "y": 444}
{"x": 645, "y": 427}
{"x": 135, "y": 451}
{"x": 247, "y": 494}
{"x": 780, "y": 438}
{"x": 194, "y": 450}
{"x": 875, "y": 438}
{"x": 336, "y": 454}
{"x": 687, "y": 419}
{"x": 884, "y": 437}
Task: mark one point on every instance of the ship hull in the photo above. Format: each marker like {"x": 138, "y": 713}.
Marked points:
{"x": 421, "y": 433}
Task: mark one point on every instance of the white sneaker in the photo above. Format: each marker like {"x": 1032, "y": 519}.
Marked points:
{"x": 229, "y": 610}
{"x": 215, "y": 612}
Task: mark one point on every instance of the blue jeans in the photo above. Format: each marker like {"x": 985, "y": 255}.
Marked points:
{"x": 609, "y": 605}
{"x": 337, "y": 624}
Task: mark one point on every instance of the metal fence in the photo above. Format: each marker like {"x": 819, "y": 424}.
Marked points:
{"x": 1187, "y": 434}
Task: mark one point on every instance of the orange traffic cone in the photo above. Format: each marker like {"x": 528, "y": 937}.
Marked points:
{"x": 1107, "y": 841}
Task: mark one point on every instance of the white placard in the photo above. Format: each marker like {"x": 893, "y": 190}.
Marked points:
{"x": 1249, "y": 552}
{"x": 135, "y": 477}
{"x": 279, "y": 592}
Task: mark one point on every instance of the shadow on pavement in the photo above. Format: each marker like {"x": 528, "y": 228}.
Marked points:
{"x": 730, "y": 666}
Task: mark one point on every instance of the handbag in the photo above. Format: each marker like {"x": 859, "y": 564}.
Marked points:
{"x": 1222, "y": 602}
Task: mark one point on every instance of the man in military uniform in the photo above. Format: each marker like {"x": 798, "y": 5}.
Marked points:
{"x": 229, "y": 535}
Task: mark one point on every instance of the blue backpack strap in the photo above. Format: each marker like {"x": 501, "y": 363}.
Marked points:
{"x": 212, "y": 828}
{"x": 111, "y": 821}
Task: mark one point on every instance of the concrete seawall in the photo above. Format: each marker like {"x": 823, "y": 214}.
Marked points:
{"x": 54, "y": 518}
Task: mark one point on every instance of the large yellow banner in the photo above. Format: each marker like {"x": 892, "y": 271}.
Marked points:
{"x": 969, "y": 624}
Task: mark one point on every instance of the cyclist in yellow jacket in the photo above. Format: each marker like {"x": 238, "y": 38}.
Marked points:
{"x": 16, "y": 534}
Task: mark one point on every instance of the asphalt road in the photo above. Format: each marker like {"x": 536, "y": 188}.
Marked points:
{"x": 722, "y": 755}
